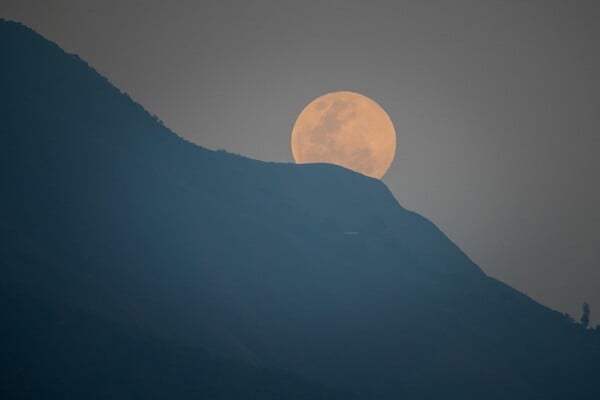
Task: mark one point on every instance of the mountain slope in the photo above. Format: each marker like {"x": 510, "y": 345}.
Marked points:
{"x": 250, "y": 260}
{"x": 63, "y": 334}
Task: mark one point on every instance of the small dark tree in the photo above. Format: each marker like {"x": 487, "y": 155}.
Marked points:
{"x": 585, "y": 317}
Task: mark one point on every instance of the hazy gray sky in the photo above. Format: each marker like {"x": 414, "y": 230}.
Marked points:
{"x": 496, "y": 105}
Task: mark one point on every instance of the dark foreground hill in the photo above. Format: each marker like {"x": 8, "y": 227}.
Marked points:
{"x": 56, "y": 351}
{"x": 152, "y": 248}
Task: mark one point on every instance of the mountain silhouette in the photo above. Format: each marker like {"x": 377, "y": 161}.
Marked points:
{"x": 215, "y": 271}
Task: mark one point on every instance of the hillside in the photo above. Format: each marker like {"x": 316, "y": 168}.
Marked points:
{"x": 131, "y": 226}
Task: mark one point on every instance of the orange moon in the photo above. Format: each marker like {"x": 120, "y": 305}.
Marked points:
{"x": 347, "y": 129}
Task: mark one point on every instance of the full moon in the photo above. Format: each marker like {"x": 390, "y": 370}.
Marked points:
{"x": 347, "y": 129}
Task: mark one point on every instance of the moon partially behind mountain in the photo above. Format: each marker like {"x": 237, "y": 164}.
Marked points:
{"x": 347, "y": 129}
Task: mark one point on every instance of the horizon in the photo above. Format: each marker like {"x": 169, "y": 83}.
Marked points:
{"x": 140, "y": 263}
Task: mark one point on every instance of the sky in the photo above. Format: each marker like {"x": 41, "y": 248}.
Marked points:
{"x": 496, "y": 105}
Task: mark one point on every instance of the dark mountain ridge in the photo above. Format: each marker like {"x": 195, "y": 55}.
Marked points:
{"x": 108, "y": 212}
